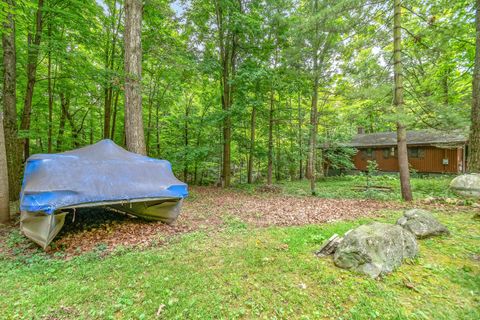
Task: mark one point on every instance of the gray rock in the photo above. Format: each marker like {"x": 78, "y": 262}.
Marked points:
{"x": 467, "y": 185}
{"x": 329, "y": 246}
{"x": 375, "y": 249}
{"x": 422, "y": 224}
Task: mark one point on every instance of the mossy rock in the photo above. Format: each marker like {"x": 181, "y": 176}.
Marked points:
{"x": 466, "y": 185}
{"x": 375, "y": 249}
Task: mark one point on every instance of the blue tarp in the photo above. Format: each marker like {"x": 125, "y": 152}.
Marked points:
{"x": 102, "y": 172}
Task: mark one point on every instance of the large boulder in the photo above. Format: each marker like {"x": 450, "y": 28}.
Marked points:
{"x": 375, "y": 249}
{"x": 467, "y": 185}
{"x": 422, "y": 224}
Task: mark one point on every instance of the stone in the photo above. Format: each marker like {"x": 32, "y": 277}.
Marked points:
{"x": 329, "y": 246}
{"x": 422, "y": 224}
{"x": 466, "y": 185}
{"x": 375, "y": 249}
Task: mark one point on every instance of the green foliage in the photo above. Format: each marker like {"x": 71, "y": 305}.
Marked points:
{"x": 275, "y": 45}
{"x": 353, "y": 187}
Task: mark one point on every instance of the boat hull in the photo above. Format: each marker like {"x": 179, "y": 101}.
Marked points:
{"x": 43, "y": 228}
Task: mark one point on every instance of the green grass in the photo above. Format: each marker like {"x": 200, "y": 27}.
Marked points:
{"x": 248, "y": 273}
{"x": 343, "y": 187}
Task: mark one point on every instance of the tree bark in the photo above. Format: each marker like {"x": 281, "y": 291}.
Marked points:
{"x": 473, "y": 163}
{"x": 399, "y": 104}
{"x": 134, "y": 133}
{"x": 32, "y": 61}
{"x": 4, "y": 198}
{"x": 12, "y": 142}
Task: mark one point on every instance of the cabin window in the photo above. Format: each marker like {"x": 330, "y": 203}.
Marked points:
{"x": 368, "y": 153}
{"x": 389, "y": 152}
{"x": 416, "y": 153}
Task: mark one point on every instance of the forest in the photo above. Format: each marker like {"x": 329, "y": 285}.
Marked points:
{"x": 240, "y": 159}
{"x": 233, "y": 91}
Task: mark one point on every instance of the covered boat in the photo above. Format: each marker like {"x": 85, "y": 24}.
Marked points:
{"x": 99, "y": 175}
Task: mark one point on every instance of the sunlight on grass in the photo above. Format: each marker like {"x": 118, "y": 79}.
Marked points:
{"x": 345, "y": 187}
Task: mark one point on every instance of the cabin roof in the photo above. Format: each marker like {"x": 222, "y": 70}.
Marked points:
{"x": 417, "y": 137}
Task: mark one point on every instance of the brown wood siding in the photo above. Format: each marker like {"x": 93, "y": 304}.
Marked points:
{"x": 431, "y": 160}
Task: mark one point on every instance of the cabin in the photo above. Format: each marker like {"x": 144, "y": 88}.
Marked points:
{"x": 428, "y": 151}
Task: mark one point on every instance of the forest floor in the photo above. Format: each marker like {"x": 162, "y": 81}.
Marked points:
{"x": 242, "y": 253}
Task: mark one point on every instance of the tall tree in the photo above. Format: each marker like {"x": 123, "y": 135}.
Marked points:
{"x": 227, "y": 29}
{"x": 112, "y": 26}
{"x": 399, "y": 103}
{"x": 34, "y": 40}
{"x": 13, "y": 150}
{"x": 320, "y": 44}
{"x": 4, "y": 198}
{"x": 474, "y": 140}
{"x": 134, "y": 133}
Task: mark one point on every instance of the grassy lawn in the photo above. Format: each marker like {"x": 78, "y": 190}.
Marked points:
{"x": 344, "y": 187}
{"x": 246, "y": 272}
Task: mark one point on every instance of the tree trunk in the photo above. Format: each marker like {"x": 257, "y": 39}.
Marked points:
{"x": 134, "y": 133}
{"x": 300, "y": 137}
{"x": 227, "y": 43}
{"x": 92, "y": 129}
{"x": 399, "y": 105}
{"x": 278, "y": 152}
{"x": 32, "y": 61}
{"x": 312, "y": 145}
{"x": 4, "y": 198}
{"x": 64, "y": 102}
{"x": 270, "y": 139}
{"x": 151, "y": 96}
{"x": 109, "y": 67}
{"x": 473, "y": 164}
{"x": 313, "y": 135}
{"x": 185, "y": 136}
{"x": 12, "y": 142}
{"x": 50, "y": 91}
{"x": 252, "y": 146}
{"x": 157, "y": 119}
{"x": 114, "y": 116}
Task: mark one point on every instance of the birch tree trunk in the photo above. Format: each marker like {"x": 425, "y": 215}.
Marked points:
{"x": 134, "y": 134}
{"x": 399, "y": 105}
{"x": 4, "y": 198}
{"x": 12, "y": 142}
{"x": 473, "y": 164}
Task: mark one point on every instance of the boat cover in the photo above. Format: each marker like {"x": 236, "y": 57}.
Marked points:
{"x": 99, "y": 174}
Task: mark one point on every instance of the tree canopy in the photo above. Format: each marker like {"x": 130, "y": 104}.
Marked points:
{"x": 228, "y": 86}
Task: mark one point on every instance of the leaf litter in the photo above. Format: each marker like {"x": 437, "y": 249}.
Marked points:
{"x": 207, "y": 209}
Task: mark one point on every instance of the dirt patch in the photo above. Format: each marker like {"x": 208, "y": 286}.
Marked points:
{"x": 206, "y": 209}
